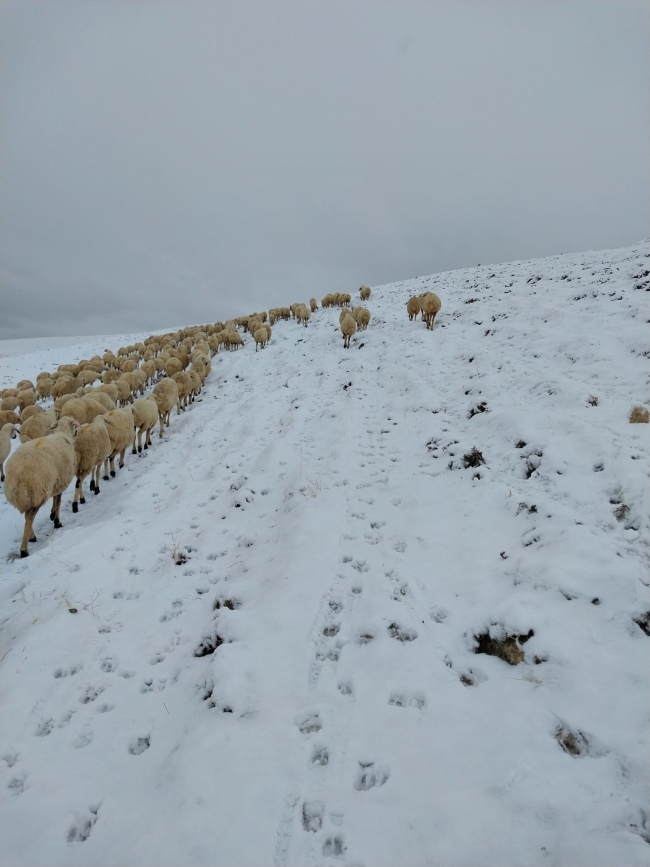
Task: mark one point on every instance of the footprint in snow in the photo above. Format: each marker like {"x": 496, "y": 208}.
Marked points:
{"x": 312, "y": 815}
{"x": 309, "y": 722}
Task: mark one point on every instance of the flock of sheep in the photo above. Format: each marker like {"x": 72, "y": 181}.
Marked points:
{"x": 87, "y": 426}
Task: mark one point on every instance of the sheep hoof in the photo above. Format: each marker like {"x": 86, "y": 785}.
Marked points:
{"x": 96, "y": 489}
{"x": 52, "y": 516}
{"x": 24, "y": 554}
{"x": 133, "y": 451}
{"x": 146, "y": 446}
{"x": 92, "y": 485}
{"x": 105, "y": 478}
{"x": 139, "y": 449}
{"x": 113, "y": 473}
{"x": 82, "y": 500}
{"x": 75, "y": 509}
{"x": 58, "y": 525}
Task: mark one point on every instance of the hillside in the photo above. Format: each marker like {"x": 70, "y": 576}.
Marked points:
{"x": 273, "y": 659}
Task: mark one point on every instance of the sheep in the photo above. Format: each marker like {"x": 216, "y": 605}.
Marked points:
{"x": 44, "y": 387}
{"x": 83, "y": 409}
{"x": 38, "y": 470}
{"x": 174, "y": 365}
{"x": 8, "y": 432}
{"x": 184, "y": 383}
{"x": 121, "y": 432}
{"x": 348, "y": 328}
{"x": 9, "y": 392}
{"x": 313, "y": 305}
{"x": 65, "y": 386}
{"x": 165, "y": 393}
{"x": 346, "y": 298}
{"x": 101, "y": 397}
{"x": 362, "y": 318}
{"x": 123, "y": 391}
{"x": 145, "y": 419}
{"x": 364, "y": 292}
{"x": 196, "y": 384}
{"x": 639, "y": 415}
{"x": 25, "y": 385}
{"x": 92, "y": 447}
{"x": 9, "y": 403}
{"x": 27, "y": 397}
{"x": 8, "y": 416}
{"x": 30, "y": 411}
{"x": 88, "y": 376}
{"x": 36, "y": 426}
{"x": 430, "y": 304}
{"x": 413, "y": 307}
{"x": 260, "y": 337}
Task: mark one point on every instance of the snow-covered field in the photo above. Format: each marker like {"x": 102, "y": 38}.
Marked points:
{"x": 273, "y": 659}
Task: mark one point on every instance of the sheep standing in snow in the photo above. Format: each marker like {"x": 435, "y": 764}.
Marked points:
{"x": 38, "y": 470}
{"x": 9, "y": 417}
{"x": 121, "y": 431}
{"x": 165, "y": 394}
{"x": 8, "y": 432}
{"x": 145, "y": 419}
{"x": 430, "y": 304}
{"x": 313, "y": 305}
{"x": 413, "y": 307}
{"x": 364, "y": 292}
{"x": 92, "y": 447}
{"x": 348, "y": 329}
{"x": 361, "y": 317}
{"x": 30, "y": 411}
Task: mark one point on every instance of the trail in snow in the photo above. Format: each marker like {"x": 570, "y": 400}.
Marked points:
{"x": 303, "y": 687}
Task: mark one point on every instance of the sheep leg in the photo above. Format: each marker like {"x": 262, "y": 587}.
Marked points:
{"x": 112, "y": 464}
{"x": 56, "y": 508}
{"x": 161, "y": 419}
{"x": 95, "y": 473}
{"x": 28, "y": 535}
{"x": 122, "y": 453}
{"x": 133, "y": 448}
{"x": 140, "y": 432}
{"x": 2, "y": 473}
{"x": 105, "y": 474}
{"x": 78, "y": 493}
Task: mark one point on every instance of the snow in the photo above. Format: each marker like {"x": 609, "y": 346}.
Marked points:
{"x": 345, "y": 717}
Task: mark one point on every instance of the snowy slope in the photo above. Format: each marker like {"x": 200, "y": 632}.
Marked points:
{"x": 312, "y": 517}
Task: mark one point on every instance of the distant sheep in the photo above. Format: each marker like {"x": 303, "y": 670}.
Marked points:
{"x": 30, "y": 411}
{"x": 364, "y": 292}
{"x": 8, "y": 432}
{"x": 313, "y": 305}
{"x": 348, "y": 329}
{"x": 38, "y": 470}
{"x": 261, "y": 337}
{"x": 362, "y": 318}
{"x": 413, "y": 307}
{"x": 639, "y": 415}
{"x": 82, "y": 409}
{"x": 430, "y": 304}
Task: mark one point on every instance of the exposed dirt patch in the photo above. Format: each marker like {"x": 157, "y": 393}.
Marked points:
{"x": 508, "y": 649}
{"x": 473, "y": 458}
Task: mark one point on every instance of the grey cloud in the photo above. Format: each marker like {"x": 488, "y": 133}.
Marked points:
{"x": 187, "y": 161}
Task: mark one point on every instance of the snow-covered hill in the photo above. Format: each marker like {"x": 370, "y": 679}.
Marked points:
{"x": 273, "y": 659}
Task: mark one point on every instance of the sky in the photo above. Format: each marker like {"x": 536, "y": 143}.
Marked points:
{"x": 171, "y": 163}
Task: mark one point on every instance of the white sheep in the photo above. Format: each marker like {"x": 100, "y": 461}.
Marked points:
{"x": 145, "y": 419}
{"x": 364, "y": 292}
{"x": 36, "y": 426}
{"x": 92, "y": 447}
{"x": 165, "y": 393}
{"x": 121, "y": 431}
{"x": 8, "y": 432}
{"x": 413, "y": 307}
{"x": 430, "y": 304}
{"x": 38, "y": 470}
{"x": 348, "y": 329}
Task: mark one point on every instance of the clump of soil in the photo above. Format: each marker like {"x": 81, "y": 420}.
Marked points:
{"x": 643, "y": 623}
{"x": 401, "y": 633}
{"x": 231, "y": 604}
{"x": 473, "y": 458}
{"x": 476, "y": 410}
{"x": 573, "y": 743}
{"x": 208, "y": 645}
{"x": 507, "y": 649}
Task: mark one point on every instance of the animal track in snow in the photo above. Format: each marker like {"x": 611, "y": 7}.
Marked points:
{"x": 312, "y": 815}
{"x": 334, "y": 847}
{"x": 16, "y": 785}
{"x": 320, "y": 756}
{"x": 370, "y": 776}
{"x": 402, "y": 633}
{"x": 67, "y": 672}
{"x": 80, "y": 831}
{"x": 309, "y": 722}
{"x": 345, "y": 687}
{"x": 405, "y": 699}
{"x": 137, "y": 746}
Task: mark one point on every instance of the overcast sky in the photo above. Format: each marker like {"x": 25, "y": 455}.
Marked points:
{"x": 166, "y": 163}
